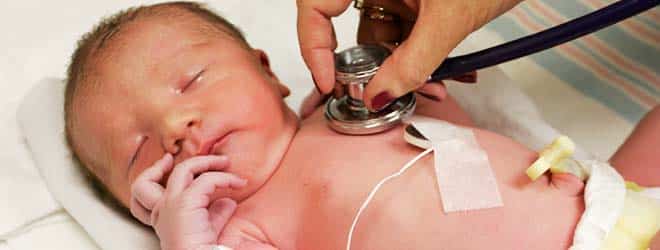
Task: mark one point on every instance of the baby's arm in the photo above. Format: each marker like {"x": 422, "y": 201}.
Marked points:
{"x": 183, "y": 215}
{"x": 638, "y": 159}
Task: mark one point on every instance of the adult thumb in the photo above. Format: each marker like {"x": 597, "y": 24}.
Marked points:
{"x": 434, "y": 35}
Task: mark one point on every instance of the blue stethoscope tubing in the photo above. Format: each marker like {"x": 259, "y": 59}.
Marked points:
{"x": 613, "y": 13}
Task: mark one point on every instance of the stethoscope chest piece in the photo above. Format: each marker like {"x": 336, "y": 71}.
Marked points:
{"x": 345, "y": 110}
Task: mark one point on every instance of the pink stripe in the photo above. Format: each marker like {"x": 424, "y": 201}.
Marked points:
{"x": 571, "y": 51}
{"x": 653, "y": 15}
{"x": 640, "y": 71}
{"x": 631, "y": 25}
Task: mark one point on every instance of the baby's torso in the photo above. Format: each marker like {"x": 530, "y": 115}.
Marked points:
{"x": 311, "y": 203}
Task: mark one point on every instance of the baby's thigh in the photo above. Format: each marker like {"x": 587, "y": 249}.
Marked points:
{"x": 447, "y": 110}
{"x": 638, "y": 159}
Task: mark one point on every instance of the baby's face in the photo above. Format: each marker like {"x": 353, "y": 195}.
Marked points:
{"x": 166, "y": 87}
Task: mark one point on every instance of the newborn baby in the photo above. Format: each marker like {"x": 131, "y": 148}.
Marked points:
{"x": 185, "y": 123}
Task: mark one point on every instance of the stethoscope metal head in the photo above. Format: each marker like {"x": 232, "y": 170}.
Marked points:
{"x": 345, "y": 110}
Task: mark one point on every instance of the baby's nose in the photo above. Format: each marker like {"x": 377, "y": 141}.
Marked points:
{"x": 177, "y": 133}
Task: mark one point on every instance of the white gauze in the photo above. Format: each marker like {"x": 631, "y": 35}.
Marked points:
{"x": 465, "y": 178}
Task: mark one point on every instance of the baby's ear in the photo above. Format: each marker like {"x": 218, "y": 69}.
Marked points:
{"x": 265, "y": 64}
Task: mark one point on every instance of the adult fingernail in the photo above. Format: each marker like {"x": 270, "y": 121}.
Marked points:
{"x": 381, "y": 100}
{"x": 470, "y": 77}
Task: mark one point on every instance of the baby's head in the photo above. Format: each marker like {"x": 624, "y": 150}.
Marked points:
{"x": 173, "y": 78}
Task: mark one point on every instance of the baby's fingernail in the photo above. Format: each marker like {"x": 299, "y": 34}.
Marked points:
{"x": 381, "y": 100}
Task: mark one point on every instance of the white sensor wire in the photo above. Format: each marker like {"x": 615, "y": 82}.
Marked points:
{"x": 375, "y": 189}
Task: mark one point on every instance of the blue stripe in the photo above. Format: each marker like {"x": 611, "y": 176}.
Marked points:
{"x": 641, "y": 84}
{"x": 613, "y": 35}
{"x": 574, "y": 75}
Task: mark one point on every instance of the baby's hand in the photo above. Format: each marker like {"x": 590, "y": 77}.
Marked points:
{"x": 183, "y": 215}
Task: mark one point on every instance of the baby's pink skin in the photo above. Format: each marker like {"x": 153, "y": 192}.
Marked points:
{"x": 260, "y": 222}
{"x": 655, "y": 243}
{"x": 639, "y": 156}
{"x": 185, "y": 216}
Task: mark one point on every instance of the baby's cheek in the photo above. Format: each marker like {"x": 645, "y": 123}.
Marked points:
{"x": 568, "y": 184}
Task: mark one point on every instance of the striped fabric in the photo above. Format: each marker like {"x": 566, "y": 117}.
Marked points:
{"x": 618, "y": 66}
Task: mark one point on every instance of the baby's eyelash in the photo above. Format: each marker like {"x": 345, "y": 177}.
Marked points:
{"x": 142, "y": 139}
{"x": 197, "y": 77}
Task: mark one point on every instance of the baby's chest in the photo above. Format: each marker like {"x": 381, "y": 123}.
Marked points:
{"x": 337, "y": 192}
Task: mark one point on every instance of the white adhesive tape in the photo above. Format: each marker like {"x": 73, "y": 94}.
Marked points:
{"x": 464, "y": 175}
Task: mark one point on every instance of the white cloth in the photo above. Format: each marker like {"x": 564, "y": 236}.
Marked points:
{"x": 109, "y": 228}
{"x": 604, "y": 195}
{"x": 653, "y": 193}
{"x": 18, "y": 178}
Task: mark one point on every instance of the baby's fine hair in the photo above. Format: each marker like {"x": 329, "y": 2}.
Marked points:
{"x": 100, "y": 37}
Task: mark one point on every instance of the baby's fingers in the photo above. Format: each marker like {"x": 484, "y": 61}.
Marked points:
{"x": 220, "y": 211}
{"x": 138, "y": 211}
{"x": 208, "y": 182}
{"x": 157, "y": 171}
{"x": 146, "y": 189}
{"x": 183, "y": 174}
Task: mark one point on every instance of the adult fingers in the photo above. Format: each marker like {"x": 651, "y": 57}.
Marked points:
{"x": 311, "y": 102}
{"x": 435, "y": 34}
{"x": 317, "y": 38}
{"x": 390, "y": 25}
{"x": 184, "y": 173}
{"x": 434, "y": 91}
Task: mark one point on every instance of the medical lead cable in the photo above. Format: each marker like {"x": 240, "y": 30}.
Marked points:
{"x": 456, "y": 66}
{"x": 375, "y": 190}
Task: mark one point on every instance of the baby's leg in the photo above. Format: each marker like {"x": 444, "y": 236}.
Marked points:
{"x": 638, "y": 159}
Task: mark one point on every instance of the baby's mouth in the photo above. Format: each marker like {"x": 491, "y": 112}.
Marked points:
{"x": 216, "y": 147}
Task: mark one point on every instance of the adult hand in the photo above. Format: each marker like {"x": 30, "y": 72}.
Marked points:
{"x": 427, "y": 29}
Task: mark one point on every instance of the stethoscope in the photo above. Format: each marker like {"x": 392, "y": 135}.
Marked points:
{"x": 354, "y": 67}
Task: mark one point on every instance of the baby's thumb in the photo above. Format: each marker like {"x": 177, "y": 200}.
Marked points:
{"x": 220, "y": 211}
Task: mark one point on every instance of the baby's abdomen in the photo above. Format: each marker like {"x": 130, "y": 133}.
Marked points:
{"x": 407, "y": 214}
